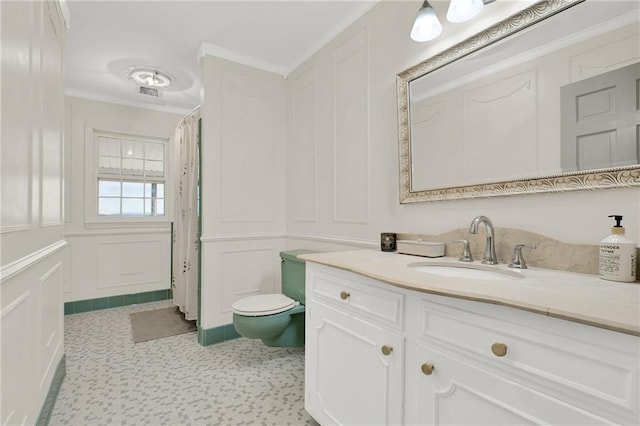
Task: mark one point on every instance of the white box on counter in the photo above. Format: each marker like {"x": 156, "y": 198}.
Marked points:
{"x": 421, "y": 248}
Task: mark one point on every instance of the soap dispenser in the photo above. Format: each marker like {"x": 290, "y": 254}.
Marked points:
{"x": 618, "y": 255}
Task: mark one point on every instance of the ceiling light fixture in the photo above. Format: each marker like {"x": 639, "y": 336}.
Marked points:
{"x": 463, "y": 10}
{"x": 149, "y": 81}
{"x": 426, "y": 26}
{"x": 149, "y": 77}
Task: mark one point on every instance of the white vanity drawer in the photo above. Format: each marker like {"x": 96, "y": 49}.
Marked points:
{"x": 555, "y": 357}
{"x": 358, "y": 295}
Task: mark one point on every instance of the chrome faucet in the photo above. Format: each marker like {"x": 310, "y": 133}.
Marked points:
{"x": 490, "y": 251}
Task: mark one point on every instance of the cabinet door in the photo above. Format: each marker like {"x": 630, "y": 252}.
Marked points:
{"x": 461, "y": 392}
{"x": 353, "y": 370}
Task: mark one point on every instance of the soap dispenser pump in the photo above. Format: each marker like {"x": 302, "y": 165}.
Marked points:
{"x": 618, "y": 255}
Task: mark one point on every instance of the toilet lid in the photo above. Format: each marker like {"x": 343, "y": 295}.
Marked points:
{"x": 263, "y": 304}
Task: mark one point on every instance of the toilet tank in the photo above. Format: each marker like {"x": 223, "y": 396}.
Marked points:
{"x": 293, "y": 274}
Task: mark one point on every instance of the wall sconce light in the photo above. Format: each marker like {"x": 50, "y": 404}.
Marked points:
{"x": 426, "y": 26}
{"x": 463, "y": 10}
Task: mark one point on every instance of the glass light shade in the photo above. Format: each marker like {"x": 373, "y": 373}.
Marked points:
{"x": 427, "y": 26}
{"x": 463, "y": 10}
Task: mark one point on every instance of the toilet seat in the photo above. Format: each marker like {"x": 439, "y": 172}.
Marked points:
{"x": 263, "y": 304}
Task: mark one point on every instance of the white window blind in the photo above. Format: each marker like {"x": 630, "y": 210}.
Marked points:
{"x": 131, "y": 177}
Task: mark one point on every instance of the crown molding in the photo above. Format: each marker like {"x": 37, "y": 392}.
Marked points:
{"x": 348, "y": 20}
{"x": 209, "y": 49}
{"x": 115, "y": 100}
{"x": 284, "y": 70}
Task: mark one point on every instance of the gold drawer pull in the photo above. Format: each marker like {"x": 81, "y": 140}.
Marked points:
{"x": 386, "y": 349}
{"x": 344, "y": 295}
{"x": 499, "y": 349}
{"x": 427, "y": 368}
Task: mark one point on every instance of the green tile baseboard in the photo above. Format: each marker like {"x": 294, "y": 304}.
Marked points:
{"x": 222, "y": 333}
{"x": 80, "y": 306}
{"x": 52, "y": 395}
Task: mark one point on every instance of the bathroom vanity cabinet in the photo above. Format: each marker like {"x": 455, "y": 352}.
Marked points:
{"x": 381, "y": 354}
{"x": 354, "y": 351}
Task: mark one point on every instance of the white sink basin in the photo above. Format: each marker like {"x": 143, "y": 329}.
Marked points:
{"x": 474, "y": 272}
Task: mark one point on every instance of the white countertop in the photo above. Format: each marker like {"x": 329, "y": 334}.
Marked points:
{"x": 572, "y": 296}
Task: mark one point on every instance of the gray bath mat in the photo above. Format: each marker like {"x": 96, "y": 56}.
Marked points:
{"x": 151, "y": 325}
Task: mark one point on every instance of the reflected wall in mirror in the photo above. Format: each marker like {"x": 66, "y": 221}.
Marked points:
{"x": 547, "y": 100}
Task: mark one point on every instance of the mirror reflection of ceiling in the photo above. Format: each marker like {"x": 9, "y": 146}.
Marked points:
{"x": 551, "y": 34}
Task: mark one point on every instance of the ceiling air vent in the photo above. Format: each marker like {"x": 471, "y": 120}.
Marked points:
{"x": 149, "y": 91}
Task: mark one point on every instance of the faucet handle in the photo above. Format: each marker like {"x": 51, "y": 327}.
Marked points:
{"x": 466, "y": 251}
{"x": 517, "y": 261}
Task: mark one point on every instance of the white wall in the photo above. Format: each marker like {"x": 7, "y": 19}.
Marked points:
{"x": 310, "y": 161}
{"x": 243, "y": 184}
{"x": 31, "y": 226}
{"x": 341, "y": 185}
{"x": 342, "y": 181}
{"x": 109, "y": 259}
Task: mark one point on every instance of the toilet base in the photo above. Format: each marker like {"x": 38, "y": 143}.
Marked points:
{"x": 292, "y": 336}
{"x": 285, "y": 329}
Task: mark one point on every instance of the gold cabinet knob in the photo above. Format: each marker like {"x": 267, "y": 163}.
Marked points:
{"x": 387, "y": 349}
{"x": 344, "y": 295}
{"x": 427, "y": 368}
{"x": 499, "y": 349}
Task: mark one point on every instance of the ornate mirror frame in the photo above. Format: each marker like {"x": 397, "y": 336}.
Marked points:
{"x": 573, "y": 181}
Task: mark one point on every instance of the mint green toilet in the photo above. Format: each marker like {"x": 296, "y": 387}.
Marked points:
{"x": 277, "y": 319}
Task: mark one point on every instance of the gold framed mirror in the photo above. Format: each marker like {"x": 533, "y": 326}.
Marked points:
{"x": 521, "y": 68}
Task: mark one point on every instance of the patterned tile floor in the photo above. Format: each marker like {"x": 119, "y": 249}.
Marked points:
{"x": 173, "y": 381}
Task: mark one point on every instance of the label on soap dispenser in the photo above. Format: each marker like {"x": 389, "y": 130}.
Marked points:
{"x": 618, "y": 255}
{"x": 617, "y": 260}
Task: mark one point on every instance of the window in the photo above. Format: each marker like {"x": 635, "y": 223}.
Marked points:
{"x": 131, "y": 176}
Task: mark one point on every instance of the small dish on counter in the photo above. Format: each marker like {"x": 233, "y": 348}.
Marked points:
{"x": 421, "y": 248}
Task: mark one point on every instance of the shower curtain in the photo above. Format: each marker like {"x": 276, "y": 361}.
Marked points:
{"x": 186, "y": 233}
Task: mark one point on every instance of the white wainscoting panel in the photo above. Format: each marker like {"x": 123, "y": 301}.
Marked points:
{"x": 17, "y": 121}
{"x": 67, "y": 161}
{"x": 51, "y": 324}
{"x": 515, "y": 98}
{"x": 429, "y": 142}
{"x": 31, "y": 308}
{"x": 305, "y": 149}
{"x": 247, "y": 148}
{"x": 351, "y": 127}
{"x": 234, "y": 267}
{"x": 32, "y": 335}
{"x": 246, "y": 272}
{"x": 17, "y": 358}
{"x": 129, "y": 263}
{"x": 51, "y": 173}
{"x": 117, "y": 263}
